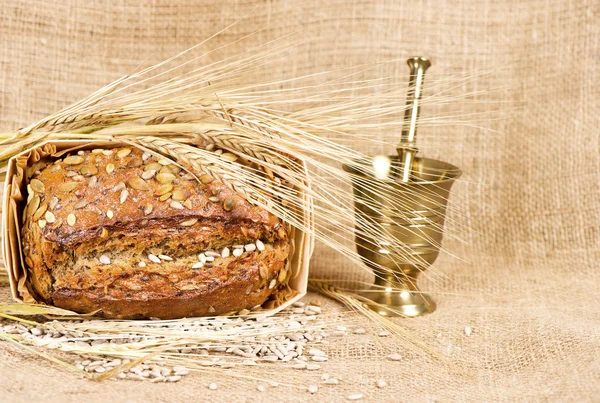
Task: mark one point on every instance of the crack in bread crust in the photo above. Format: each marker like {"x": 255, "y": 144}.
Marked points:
{"x": 171, "y": 290}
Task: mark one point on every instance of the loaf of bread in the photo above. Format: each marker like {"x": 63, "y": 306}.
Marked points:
{"x": 123, "y": 234}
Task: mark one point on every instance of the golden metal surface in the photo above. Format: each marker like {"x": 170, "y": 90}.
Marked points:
{"x": 412, "y": 215}
{"x": 407, "y": 149}
{"x": 406, "y": 197}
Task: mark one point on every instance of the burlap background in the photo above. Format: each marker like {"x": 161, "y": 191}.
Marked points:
{"x": 528, "y": 285}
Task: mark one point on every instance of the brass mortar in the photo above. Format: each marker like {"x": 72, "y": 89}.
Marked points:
{"x": 406, "y": 197}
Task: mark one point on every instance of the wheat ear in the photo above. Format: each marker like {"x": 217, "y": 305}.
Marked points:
{"x": 196, "y": 159}
{"x": 221, "y": 135}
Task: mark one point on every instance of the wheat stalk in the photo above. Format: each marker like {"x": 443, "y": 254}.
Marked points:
{"x": 219, "y": 134}
{"x": 274, "y": 128}
{"x": 193, "y": 158}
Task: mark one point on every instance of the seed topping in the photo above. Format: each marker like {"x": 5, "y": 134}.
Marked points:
{"x": 53, "y": 202}
{"x": 206, "y": 179}
{"x": 176, "y": 205}
{"x": 153, "y": 258}
{"x": 50, "y": 218}
{"x": 135, "y": 163}
{"x": 73, "y": 160}
{"x": 67, "y": 187}
{"x": 80, "y": 205}
{"x": 165, "y": 177}
{"x": 138, "y": 183}
{"x": 37, "y": 185}
{"x": 166, "y": 196}
{"x": 123, "y": 196}
{"x": 229, "y": 204}
{"x": 164, "y": 189}
{"x": 124, "y": 152}
{"x": 119, "y": 186}
{"x": 153, "y": 166}
{"x": 34, "y": 203}
{"x": 149, "y": 174}
{"x": 189, "y": 223}
{"x": 88, "y": 170}
{"x": 180, "y": 194}
{"x": 264, "y": 272}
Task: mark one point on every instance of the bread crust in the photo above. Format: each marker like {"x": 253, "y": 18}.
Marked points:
{"x": 104, "y": 206}
{"x": 229, "y": 286}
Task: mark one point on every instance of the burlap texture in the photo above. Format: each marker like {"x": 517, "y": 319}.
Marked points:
{"x": 528, "y": 280}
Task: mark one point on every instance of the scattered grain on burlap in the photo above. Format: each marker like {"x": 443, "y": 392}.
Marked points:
{"x": 527, "y": 282}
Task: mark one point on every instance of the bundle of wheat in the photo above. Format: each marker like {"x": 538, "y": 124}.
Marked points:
{"x": 257, "y": 138}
